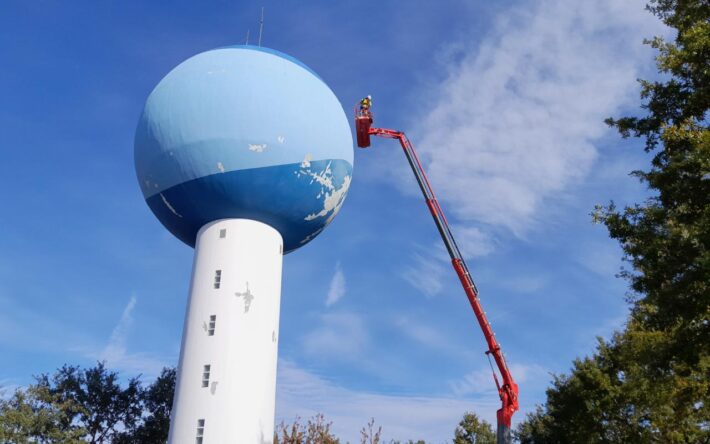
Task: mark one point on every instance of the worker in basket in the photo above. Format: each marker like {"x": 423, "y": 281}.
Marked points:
{"x": 365, "y": 105}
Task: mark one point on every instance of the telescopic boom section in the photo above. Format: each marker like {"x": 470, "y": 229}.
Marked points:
{"x": 508, "y": 391}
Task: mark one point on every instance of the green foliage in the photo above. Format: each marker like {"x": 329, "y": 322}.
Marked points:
{"x": 95, "y": 400}
{"x": 650, "y": 383}
{"x": 473, "y": 430}
{"x": 157, "y": 402}
{"x": 76, "y": 406}
{"x": 534, "y": 429}
{"x": 88, "y": 405}
{"x": 35, "y": 416}
{"x": 593, "y": 404}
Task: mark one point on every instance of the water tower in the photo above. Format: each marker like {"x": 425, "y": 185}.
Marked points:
{"x": 245, "y": 154}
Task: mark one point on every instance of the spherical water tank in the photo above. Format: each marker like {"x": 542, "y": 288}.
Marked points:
{"x": 244, "y": 132}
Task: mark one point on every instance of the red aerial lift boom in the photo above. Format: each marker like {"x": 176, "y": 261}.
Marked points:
{"x": 508, "y": 391}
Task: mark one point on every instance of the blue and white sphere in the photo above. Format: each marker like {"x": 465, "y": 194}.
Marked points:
{"x": 244, "y": 132}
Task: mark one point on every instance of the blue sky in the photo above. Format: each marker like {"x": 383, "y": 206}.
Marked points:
{"x": 504, "y": 101}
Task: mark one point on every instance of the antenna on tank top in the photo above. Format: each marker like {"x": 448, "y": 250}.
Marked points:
{"x": 247, "y": 40}
{"x": 261, "y": 25}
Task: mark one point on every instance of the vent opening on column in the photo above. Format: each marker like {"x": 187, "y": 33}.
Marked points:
{"x": 206, "y": 376}
{"x": 222, "y": 233}
{"x": 213, "y": 323}
{"x": 217, "y": 278}
{"x": 200, "y": 431}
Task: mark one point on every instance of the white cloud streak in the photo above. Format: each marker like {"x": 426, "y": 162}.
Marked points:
{"x": 340, "y": 336}
{"x": 69, "y": 339}
{"x": 472, "y": 241}
{"x": 422, "y": 333}
{"x": 425, "y": 273}
{"x": 476, "y": 382}
{"x": 429, "y": 267}
{"x": 515, "y": 121}
{"x": 479, "y": 382}
{"x": 117, "y": 342}
{"x": 116, "y": 353}
{"x": 336, "y": 291}
{"x": 429, "y": 336}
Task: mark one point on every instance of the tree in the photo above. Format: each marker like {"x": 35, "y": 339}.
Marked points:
{"x": 35, "y": 416}
{"x": 95, "y": 401}
{"x": 473, "y": 430}
{"x": 667, "y": 239}
{"x": 593, "y": 404}
{"x": 664, "y": 350}
{"x": 157, "y": 402}
{"x": 533, "y": 429}
{"x": 315, "y": 431}
{"x": 649, "y": 383}
{"x": 369, "y": 434}
{"x": 77, "y": 405}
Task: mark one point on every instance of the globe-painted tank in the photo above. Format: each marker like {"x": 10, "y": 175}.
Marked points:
{"x": 244, "y": 132}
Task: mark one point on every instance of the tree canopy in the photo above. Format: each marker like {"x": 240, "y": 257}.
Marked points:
{"x": 473, "y": 430}
{"x": 650, "y": 382}
{"x": 77, "y": 405}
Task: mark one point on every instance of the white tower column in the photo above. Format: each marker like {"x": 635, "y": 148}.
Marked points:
{"x": 226, "y": 380}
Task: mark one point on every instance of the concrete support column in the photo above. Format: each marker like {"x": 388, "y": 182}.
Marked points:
{"x": 226, "y": 380}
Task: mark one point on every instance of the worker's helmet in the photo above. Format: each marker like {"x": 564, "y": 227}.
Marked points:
{"x": 369, "y": 97}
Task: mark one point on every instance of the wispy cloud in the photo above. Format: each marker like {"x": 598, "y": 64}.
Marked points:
{"x": 18, "y": 327}
{"x": 116, "y": 353}
{"x": 427, "y": 335}
{"x": 117, "y": 343}
{"x": 476, "y": 382}
{"x": 336, "y": 291}
{"x": 421, "y": 332}
{"x": 472, "y": 241}
{"x": 525, "y": 283}
{"x": 70, "y": 339}
{"x": 429, "y": 267}
{"x": 480, "y": 381}
{"x": 426, "y": 270}
{"x": 515, "y": 121}
{"x": 432, "y": 418}
{"x": 340, "y": 336}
